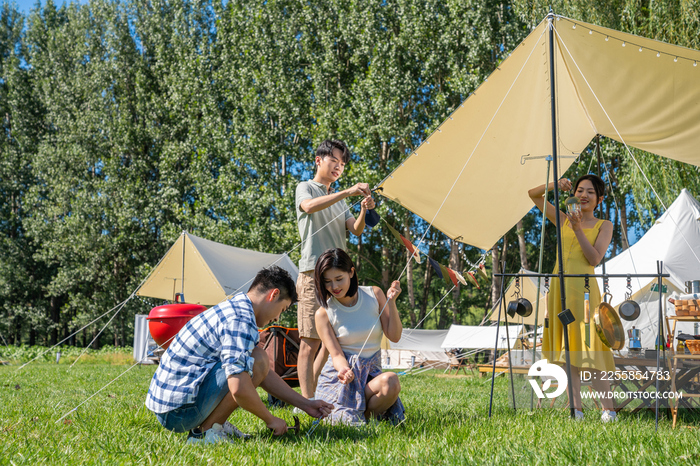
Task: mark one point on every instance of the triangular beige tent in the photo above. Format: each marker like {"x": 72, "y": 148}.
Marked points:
{"x": 210, "y": 272}
{"x": 479, "y": 164}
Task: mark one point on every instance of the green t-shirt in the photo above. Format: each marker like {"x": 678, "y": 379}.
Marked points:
{"x": 327, "y": 224}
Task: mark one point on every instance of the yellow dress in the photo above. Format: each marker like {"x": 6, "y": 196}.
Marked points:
{"x": 598, "y": 356}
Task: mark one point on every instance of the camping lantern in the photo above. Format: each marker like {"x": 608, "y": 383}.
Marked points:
{"x": 165, "y": 321}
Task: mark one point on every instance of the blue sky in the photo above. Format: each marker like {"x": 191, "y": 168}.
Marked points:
{"x": 25, "y": 5}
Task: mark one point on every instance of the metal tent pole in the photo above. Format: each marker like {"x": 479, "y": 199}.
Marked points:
{"x": 550, "y": 19}
{"x": 182, "y": 287}
{"x": 495, "y": 348}
{"x": 539, "y": 279}
{"x": 510, "y": 358}
{"x": 600, "y": 175}
{"x": 659, "y": 269}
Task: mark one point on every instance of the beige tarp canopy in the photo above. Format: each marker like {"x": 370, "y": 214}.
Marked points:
{"x": 211, "y": 271}
{"x": 528, "y": 290}
{"x": 482, "y": 160}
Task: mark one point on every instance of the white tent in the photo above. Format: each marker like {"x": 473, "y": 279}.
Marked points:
{"x": 481, "y": 161}
{"x": 143, "y": 342}
{"x": 206, "y": 272}
{"x": 674, "y": 239}
{"x": 528, "y": 290}
{"x": 476, "y": 337}
{"x": 417, "y": 346}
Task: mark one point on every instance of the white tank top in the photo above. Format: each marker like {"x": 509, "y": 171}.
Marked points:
{"x": 353, "y": 324}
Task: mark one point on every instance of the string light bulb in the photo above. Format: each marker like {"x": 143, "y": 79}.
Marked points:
{"x": 574, "y": 26}
{"x": 675, "y": 59}
{"x": 590, "y": 31}
{"x": 658, "y": 54}
{"x": 607, "y": 38}
{"x": 624, "y": 43}
{"x": 640, "y": 49}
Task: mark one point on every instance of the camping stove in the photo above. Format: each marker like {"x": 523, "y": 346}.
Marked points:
{"x": 635, "y": 341}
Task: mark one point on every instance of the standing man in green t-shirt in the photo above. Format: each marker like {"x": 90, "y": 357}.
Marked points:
{"x": 323, "y": 218}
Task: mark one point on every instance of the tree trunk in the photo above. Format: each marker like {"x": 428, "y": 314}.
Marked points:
{"x": 385, "y": 268}
{"x": 358, "y": 263}
{"x": 521, "y": 244}
{"x": 55, "y": 318}
{"x": 426, "y": 291}
{"x": 623, "y": 224}
{"x": 455, "y": 265}
{"x": 18, "y": 332}
{"x": 614, "y": 243}
{"x": 95, "y": 331}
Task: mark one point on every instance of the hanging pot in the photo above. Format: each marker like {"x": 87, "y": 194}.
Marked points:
{"x": 629, "y": 310}
{"x": 608, "y": 325}
{"x": 520, "y": 306}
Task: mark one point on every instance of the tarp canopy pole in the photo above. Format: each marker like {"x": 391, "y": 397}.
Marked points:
{"x": 182, "y": 285}
{"x": 539, "y": 279}
{"x": 495, "y": 348}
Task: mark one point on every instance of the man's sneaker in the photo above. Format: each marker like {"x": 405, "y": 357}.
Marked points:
{"x": 233, "y": 432}
{"x": 578, "y": 415}
{"x": 608, "y": 416}
{"x": 214, "y": 435}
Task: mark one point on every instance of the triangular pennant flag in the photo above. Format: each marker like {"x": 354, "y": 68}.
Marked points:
{"x": 372, "y": 218}
{"x": 472, "y": 279}
{"x": 411, "y": 249}
{"x": 460, "y": 278}
{"x": 453, "y": 277}
{"x": 481, "y": 270}
{"x": 436, "y": 266}
{"x": 393, "y": 231}
{"x": 445, "y": 274}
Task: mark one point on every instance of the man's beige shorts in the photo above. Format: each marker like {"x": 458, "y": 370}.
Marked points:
{"x": 307, "y": 307}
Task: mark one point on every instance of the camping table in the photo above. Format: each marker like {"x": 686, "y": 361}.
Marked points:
{"x": 646, "y": 367}
{"x": 681, "y": 379}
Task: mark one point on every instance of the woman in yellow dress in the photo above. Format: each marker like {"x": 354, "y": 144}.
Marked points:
{"x": 584, "y": 241}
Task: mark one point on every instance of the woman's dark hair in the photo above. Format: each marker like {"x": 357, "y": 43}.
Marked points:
{"x": 598, "y": 185}
{"x": 333, "y": 259}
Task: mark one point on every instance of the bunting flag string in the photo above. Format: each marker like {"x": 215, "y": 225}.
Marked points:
{"x": 436, "y": 266}
{"x": 460, "y": 277}
{"x": 411, "y": 248}
{"x": 472, "y": 279}
{"x": 481, "y": 270}
{"x": 446, "y": 273}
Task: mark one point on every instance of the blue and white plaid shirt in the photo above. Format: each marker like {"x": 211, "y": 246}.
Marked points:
{"x": 226, "y": 332}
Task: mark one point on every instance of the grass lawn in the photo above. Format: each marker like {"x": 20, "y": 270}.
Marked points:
{"x": 447, "y": 424}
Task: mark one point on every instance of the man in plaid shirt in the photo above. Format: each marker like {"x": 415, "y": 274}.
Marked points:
{"x": 213, "y": 366}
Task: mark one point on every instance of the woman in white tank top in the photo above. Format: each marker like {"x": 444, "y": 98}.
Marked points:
{"x": 351, "y": 328}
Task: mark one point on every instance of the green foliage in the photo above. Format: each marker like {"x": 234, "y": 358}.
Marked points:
{"x": 126, "y": 122}
{"x": 106, "y": 354}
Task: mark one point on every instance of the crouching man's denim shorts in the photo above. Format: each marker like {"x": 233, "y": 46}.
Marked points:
{"x": 212, "y": 390}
